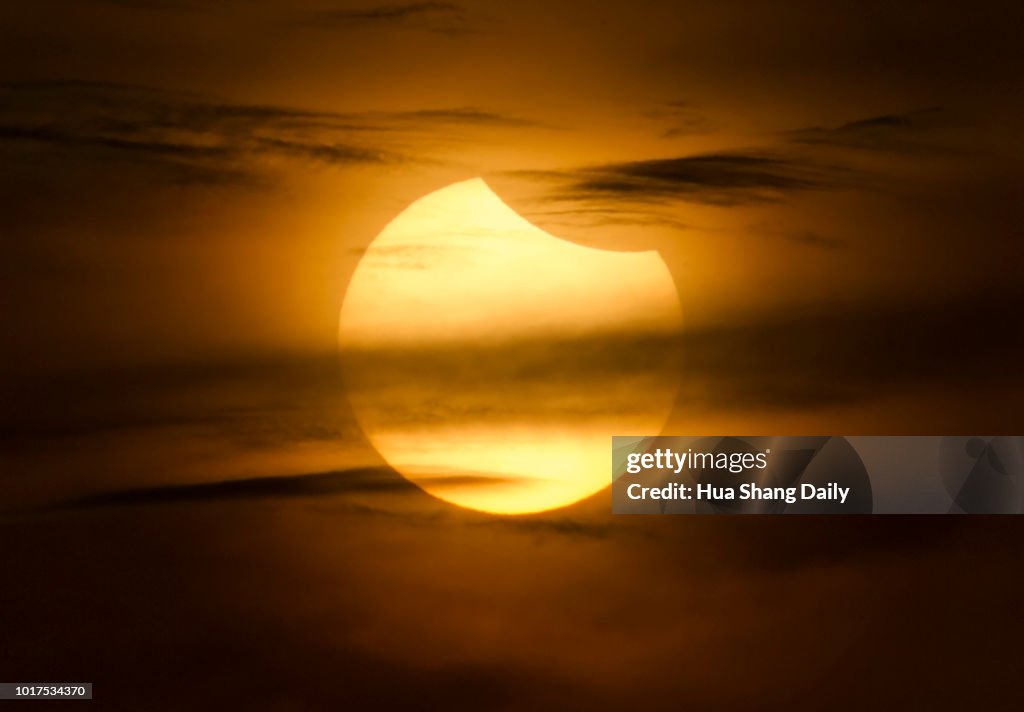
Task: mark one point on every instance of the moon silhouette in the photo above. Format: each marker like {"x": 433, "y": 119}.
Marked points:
{"x": 490, "y": 363}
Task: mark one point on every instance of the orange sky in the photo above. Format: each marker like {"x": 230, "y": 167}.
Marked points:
{"x": 188, "y": 189}
{"x": 219, "y": 169}
{"x": 189, "y": 504}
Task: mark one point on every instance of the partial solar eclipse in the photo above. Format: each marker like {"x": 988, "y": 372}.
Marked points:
{"x": 490, "y": 363}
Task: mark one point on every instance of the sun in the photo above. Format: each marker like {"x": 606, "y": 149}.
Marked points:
{"x": 490, "y": 363}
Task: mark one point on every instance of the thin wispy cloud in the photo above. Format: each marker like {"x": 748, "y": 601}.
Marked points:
{"x": 723, "y": 178}
{"x": 279, "y": 487}
{"x": 438, "y": 17}
{"x": 681, "y": 118}
{"x": 388, "y": 13}
{"x": 909, "y": 132}
{"x": 214, "y": 140}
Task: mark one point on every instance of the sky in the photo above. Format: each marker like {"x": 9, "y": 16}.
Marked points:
{"x": 187, "y": 189}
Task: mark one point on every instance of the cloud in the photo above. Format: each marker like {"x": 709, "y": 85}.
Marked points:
{"x": 257, "y": 400}
{"x": 783, "y": 362}
{"x": 724, "y": 178}
{"x": 441, "y": 17}
{"x": 857, "y": 353}
{"x": 71, "y": 138}
{"x": 611, "y": 215}
{"x": 186, "y": 137}
{"x": 545, "y": 525}
{"x": 333, "y": 153}
{"x": 806, "y": 238}
{"x": 466, "y": 115}
{"x": 192, "y": 137}
{"x": 386, "y": 13}
{"x": 367, "y": 479}
{"x": 813, "y": 239}
{"x": 681, "y": 118}
{"x": 909, "y": 132}
{"x": 363, "y": 480}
